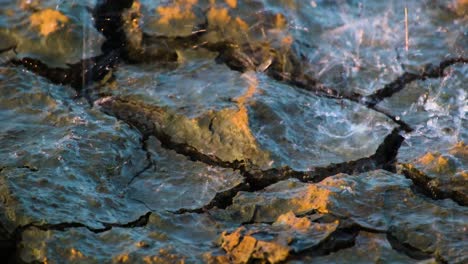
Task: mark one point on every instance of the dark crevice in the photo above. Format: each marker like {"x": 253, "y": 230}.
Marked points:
{"x": 342, "y": 238}
{"x": 430, "y": 71}
{"x": 407, "y": 249}
{"x": 9, "y": 242}
{"x": 112, "y": 20}
{"x": 255, "y": 180}
{"x": 144, "y": 147}
{"x": 77, "y": 75}
{"x": 140, "y": 222}
{"x": 345, "y": 237}
{"x": 430, "y": 187}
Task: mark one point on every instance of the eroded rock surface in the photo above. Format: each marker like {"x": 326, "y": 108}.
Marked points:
{"x": 230, "y": 131}
{"x": 379, "y": 201}
{"x": 59, "y": 157}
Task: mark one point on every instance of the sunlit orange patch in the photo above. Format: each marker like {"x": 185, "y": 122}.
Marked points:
{"x": 169, "y": 13}
{"x": 242, "y": 24}
{"x": 442, "y": 163}
{"x": 181, "y": 9}
{"x": 290, "y": 219}
{"x": 48, "y": 21}
{"x": 75, "y": 254}
{"x": 280, "y": 21}
{"x": 218, "y": 17}
{"x": 427, "y": 158}
{"x": 231, "y": 3}
{"x": 122, "y": 258}
{"x": 241, "y": 118}
{"x": 312, "y": 198}
{"x": 244, "y": 248}
{"x": 460, "y": 149}
{"x": 464, "y": 175}
{"x": 287, "y": 41}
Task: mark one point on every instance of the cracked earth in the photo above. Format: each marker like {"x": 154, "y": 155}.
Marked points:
{"x": 233, "y": 132}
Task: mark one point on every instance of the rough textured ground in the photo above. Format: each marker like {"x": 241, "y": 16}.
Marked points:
{"x": 233, "y": 132}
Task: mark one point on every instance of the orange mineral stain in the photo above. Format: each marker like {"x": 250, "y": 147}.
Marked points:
{"x": 75, "y": 254}
{"x": 460, "y": 150}
{"x": 242, "y": 24}
{"x": 48, "y": 21}
{"x": 231, "y": 3}
{"x": 241, "y": 118}
{"x": 297, "y": 223}
{"x": 122, "y": 258}
{"x": 311, "y": 198}
{"x": 177, "y": 11}
{"x": 218, "y": 17}
{"x": 280, "y": 21}
{"x": 427, "y": 159}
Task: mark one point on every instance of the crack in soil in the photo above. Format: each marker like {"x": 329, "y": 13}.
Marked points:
{"x": 429, "y": 71}
{"x": 255, "y": 180}
{"x": 122, "y": 44}
{"x": 9, "y": 245}
{"x": 430, "y": 187}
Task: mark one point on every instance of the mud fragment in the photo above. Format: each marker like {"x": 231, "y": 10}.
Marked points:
{"x": 229, "y": 142}
{"x": 378, "y": 201}
{"x": 271, "y": 243}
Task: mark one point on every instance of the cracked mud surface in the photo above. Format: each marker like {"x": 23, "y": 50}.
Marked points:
{"x": 233, "y": 132}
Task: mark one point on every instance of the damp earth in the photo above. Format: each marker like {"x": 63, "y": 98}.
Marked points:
{"x": 233, "y": 131}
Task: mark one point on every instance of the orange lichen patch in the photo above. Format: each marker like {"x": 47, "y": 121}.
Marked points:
{"x": 442, "y": 163}
{"x": 272, "y": 252}
{"x": 48, "y": 21}
{"x": 75, "y": 254}
{"x": 427, "y": 159}
{"x": 243, "y": 251}
{"x": 230, "y": 241}
{"x": 123, "y": 258}
{"x": 287, "y": 41}
{"x": 461, "y": 7}
{"x": 241, "y": 117}
{"x": 141, "y": 244}
{"x": 280, "y": 21}
{"x": 436, "y": 163}
{"x": 244, "y": 248}
{"x": 464, "y": 175}
{"x": 179, "y": 10}
{"x": 164, "y": 257}
{"x": 253, "y": 83}
{"x": 218, "y": 17}
{"x": 136, "y": 8}
{"x": 312, "y": 198}
{"x": 460, "y": 150}
{"x": 297, "y": 223}
{"x": 242, "y": 24}
{"x": 231, "y": 3}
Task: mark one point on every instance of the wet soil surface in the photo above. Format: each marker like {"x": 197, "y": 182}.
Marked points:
{"x": 259, "y": 131}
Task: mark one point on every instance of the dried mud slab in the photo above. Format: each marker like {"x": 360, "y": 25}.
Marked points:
{"x": 219, "y": 136}
{"x": 55, "y": 34}
{"x": 314, "y": 131}
{"x": 435, "y": 155}
{"x": 379, "y": 201}
{"x": 442, "y": 174}
{"x": 363, "y": 48}
{"x": 170, "y": 183}
{"x": 271, "y": 243}
{"x": 164, "y": 239}
{"x": 61, "y": 161}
